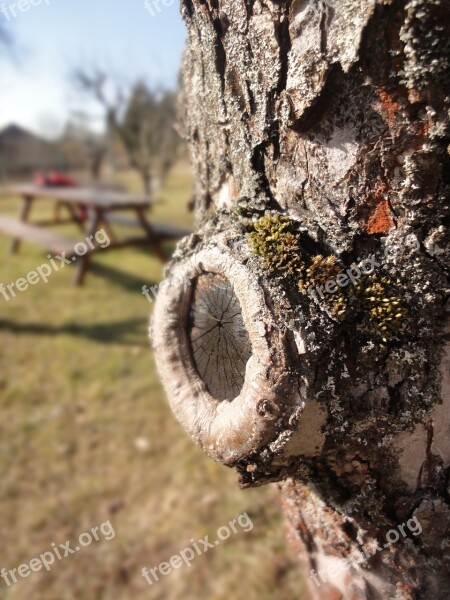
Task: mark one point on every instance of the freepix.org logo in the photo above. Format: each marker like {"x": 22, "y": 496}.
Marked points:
{"x": 58, "y": 552}
{"x": 197, "y": 548}
{"x": 11, "y": 11}
{"x": 44, "y": 271}
{"x": 155, "y": 7}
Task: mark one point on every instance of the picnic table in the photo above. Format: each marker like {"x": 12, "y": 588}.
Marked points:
{"x": 91, "y": 209}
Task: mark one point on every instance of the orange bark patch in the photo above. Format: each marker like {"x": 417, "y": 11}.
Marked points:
{"x": 389, "y": 106}
{"x": 381, "y": 220}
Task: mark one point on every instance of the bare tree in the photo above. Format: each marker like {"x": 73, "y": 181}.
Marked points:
{"x": 148, "y": 134}
{"x": 95, "y": 84}
{"x": 302, "y": 333}
{"x": 142, "y": 119}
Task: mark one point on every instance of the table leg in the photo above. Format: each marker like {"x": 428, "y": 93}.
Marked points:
{"x": 82, "y": 269}
{"x": 153, "y": 237}
{"x": 75, "y": 217}
{"x": 107, "y": 226}
{"x": 95, "y": 220}
{"x": 84, "y": 261}
{"x": 26, "y": 207}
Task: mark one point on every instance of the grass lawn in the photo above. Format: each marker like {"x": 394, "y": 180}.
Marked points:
{"x": 86, "y": 436}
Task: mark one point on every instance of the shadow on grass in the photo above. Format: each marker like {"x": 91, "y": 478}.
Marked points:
{"x": 99, "y": 332}
{"x": 128, "y": 282}
{"x": 169, "y": 249}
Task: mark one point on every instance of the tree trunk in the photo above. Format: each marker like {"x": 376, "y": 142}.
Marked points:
{"x": 147, "y": 181}
{"x": 302, "y": 331}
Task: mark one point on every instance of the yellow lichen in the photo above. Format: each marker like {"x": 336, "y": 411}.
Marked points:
{"x": 373, "y": 300}
{"x": 383, "y": 306}
{"x": 275, "y": 240}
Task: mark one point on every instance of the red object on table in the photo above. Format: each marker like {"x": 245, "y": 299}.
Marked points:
{"x": 54, "y": 179}
{"x": 57, "y": 179}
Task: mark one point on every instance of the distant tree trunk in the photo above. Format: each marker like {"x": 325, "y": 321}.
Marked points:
{"x": 147, "y": 180}
{"x": 96, "y": 162}
{"x": 319, "y": 136}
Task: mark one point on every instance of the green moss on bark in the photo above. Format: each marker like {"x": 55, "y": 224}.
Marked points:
{"x": 373, "y": 303}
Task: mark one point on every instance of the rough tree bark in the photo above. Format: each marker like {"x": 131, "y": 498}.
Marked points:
{"x": 319, "y": 136}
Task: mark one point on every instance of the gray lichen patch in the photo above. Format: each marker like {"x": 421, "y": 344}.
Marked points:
{"x": 219, "y": 341}
{"x": 427, "y": 44}
{"x": 323, "y": 34}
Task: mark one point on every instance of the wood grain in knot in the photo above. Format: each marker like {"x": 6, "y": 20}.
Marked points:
{"x": 219, "y": 341}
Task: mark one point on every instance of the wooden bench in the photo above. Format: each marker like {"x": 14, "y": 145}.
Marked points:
{"x": 56, "y": 243}
{"x": 99, "y": 208}
{"x": 38, "y": 235}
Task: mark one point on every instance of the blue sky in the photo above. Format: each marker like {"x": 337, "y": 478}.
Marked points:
{"x": 53, "y": 37}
